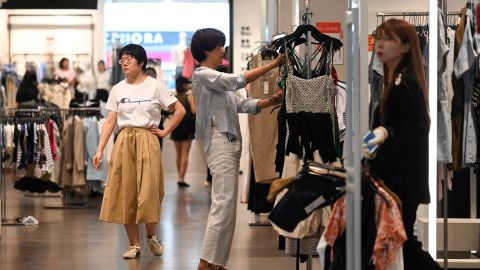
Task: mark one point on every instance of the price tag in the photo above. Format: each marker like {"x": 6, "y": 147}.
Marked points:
{"x": 265, "y": 87}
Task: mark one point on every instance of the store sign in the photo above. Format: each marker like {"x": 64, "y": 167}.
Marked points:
{"x": 333, "y": 29}
{"x": 143, "y": 38}
{"x": 371, "y": 43}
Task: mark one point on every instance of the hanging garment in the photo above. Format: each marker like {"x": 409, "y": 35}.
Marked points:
{"x": 56, "y": 93}
{"x": 380, "y": 242}
{"x": 444, "y": 124}
{"x": 92, "y": 138}
{"x": 11, "y": 88}
{"x": 458, "y": 100}
{"x": 341, "y": 105}
{"x": 73, "y": 152}
{"x": 465, "y": 68}
{"x": 310, "y": 115}
{"x": 55, "y": 135}
{"x": 304, "y": 195}
{"x": 46, "y": 150}
{"x": 263, "y": 126}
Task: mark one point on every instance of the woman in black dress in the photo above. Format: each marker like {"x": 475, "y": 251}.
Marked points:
{"x": 185, "y": 132}
{"x": 401, "y": 127}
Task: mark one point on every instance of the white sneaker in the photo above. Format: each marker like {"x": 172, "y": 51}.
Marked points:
{"x": 155, "y": 246}
{"x": 132, "y": 252}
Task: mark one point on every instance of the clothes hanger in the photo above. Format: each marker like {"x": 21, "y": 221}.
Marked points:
{"x": 302, "y": 30}
{"x": 323, "y": 166}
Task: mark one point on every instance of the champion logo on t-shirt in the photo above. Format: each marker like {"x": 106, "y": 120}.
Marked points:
{"x": 139, "y": 101}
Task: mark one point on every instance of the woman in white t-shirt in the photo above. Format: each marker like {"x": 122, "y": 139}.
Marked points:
{"x": 102, "y": 77}
{"x": 134, "y": 190}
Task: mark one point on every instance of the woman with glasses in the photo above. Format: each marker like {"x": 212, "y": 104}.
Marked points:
{"x": 218, "y": 127}
{"x": 135, "y": 190}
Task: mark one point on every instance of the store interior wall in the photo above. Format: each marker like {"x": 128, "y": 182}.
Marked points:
{"x": 97, "y": 20}
{"x": 334, "y": 13}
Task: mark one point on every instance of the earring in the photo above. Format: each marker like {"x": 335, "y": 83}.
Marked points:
{"x": 398, "y": 80}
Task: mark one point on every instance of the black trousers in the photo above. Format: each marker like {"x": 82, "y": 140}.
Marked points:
{"x": 414, "y": 257}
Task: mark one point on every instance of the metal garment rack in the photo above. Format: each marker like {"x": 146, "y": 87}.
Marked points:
{"x": 355, "y": 49}
{"x": 66, "y": 198}
{"x": 407, "y": 15}
{"x": 5, "y": 117}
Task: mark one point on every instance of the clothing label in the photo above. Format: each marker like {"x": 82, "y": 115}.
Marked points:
{"x": 265, "y": 87}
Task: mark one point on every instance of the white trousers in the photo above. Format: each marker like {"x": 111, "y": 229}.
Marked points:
{"x": 223, "y": 159}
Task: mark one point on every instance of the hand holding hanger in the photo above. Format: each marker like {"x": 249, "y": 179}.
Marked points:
{"x": 277, "y": 97}
{"x": 279, "y": 60}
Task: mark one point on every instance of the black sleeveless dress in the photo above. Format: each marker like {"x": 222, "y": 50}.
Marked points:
{"x": 186, "y": 128}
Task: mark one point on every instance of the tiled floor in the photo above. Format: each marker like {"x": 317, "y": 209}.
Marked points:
{"x": 74, "y": 239}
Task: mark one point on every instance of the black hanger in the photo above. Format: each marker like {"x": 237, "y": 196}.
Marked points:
{"x": 302, "y": 30}
{"x": 267, "y": 53}
{"x": 323, "y": 166}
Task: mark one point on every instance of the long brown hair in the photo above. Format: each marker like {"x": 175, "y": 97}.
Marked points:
{"x": 411, "y": 60}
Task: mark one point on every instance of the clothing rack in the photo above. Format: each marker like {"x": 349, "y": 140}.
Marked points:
{"x": 11, "y": 114}
{"x": 406, "y": 15}
{"x": 67, "y": 196}
{"x": 5, "y": 116}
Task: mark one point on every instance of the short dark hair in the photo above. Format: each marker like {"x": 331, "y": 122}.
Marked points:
{"x": 179, "y": 84}
{"x": 101, "y": 62}
{"x": 135, "y": 51}
{"x": 206, "y": 39}
{"x": 150, "y": 71}
{"x": 61, "y": 62}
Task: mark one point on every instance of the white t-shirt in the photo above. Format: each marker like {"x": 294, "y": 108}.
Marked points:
{"x": 139, "y": 105}
{"x": 103, "y": 80}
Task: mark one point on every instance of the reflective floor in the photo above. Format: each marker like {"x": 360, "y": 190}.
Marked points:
{"x": 74, "y": 238}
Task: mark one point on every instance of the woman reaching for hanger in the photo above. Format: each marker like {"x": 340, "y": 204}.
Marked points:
{"x": 217, "y": 126}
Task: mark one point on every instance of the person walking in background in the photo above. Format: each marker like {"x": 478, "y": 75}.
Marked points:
{"x": 135, "y": 188}
{"x": 102, "y": 76}
{"x": 218, "y": 127}
{"x": 27, "y": 94}
{"x": 401, "y": 126}
{"x": 67, "y": 74}
{"x": 183, "y": 135}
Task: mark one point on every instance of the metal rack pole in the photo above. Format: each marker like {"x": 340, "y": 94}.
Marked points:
{"x": 308, "y": 56}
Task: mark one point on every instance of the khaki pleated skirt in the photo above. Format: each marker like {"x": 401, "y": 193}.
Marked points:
{"x": 134, "y": 190}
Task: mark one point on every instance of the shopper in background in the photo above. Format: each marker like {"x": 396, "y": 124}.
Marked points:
{"x": 27, "y": 93}
{"x": 217, "y": 125}
{"x": 183, "y": 135}
{"x": 150, "y": 71}
{"x": 401, "y": 126}
{"x": 86, "y": 86}
{"x": 102, "y": 76}
{"x": 66, "y": 73}
{"x": 135, "y": 189}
